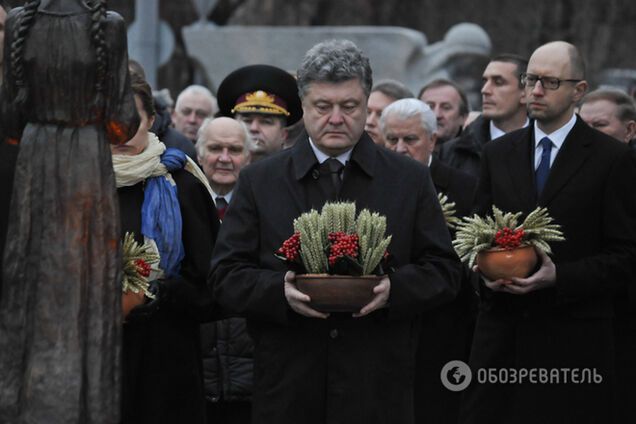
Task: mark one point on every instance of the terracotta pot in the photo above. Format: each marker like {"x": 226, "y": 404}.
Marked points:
{"x": 129, "y": 300}
{"x": 337, "y": 293}
{"x": 499, "y": 263}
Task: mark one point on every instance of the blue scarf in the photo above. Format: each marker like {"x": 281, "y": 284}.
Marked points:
{"x": 161, "y": 215}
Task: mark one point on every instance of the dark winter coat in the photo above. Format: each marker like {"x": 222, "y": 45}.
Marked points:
{"x": 163, "y": 376}
{"x": 341, "y": 369}
{"x": 228, "y": 360}
{"x": 464, "y": 152}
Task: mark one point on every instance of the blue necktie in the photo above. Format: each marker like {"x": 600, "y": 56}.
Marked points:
{"x": 541, "y": 174}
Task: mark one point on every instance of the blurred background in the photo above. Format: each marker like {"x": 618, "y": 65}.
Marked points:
{"x": 604, "y": 31}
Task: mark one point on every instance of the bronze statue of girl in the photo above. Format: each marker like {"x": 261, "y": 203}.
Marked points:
{"x": 67, "y": 97}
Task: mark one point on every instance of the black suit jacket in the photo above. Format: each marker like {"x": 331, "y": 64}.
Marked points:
{"x": 587, "y": 193}
{"x": 340, "y": 369}
{"x": 457, "y": 185}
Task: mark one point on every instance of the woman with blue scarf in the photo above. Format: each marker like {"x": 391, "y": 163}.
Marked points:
{"x": 165, "y": 201}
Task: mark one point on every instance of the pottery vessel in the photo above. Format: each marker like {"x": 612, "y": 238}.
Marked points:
{"x": 337, "y": 293}
{"x": 499, "y": 263}
{"x": 129, "y": 300}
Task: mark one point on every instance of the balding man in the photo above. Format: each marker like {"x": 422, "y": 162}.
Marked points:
{"x": 223, "y": 150}
{"x": 551, "y": 333}
{"x": 450, "y": 104}
{"x": 610, "y": 111}
{"x": 194, "y": 104}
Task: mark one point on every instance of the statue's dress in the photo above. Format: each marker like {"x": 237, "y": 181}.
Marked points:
{"x": 60, "y": 312}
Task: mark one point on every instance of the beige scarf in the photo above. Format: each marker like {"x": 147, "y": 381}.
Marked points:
{"x": 130, "y": 170}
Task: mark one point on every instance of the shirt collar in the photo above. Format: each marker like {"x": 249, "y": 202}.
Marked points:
{"x": 227, "y": 197}
{"x": 321, "y": 156}
{"x": 496, "y": 132}
{"x": 304, "y": 159}
{"x": 558, "y": 136}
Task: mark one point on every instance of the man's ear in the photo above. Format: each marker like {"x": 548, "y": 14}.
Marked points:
{"x": 283, "y": 135}
{"x": 631, "y": 131}
{"x": 579, "y": 90}
{"x": 523, "y": 99}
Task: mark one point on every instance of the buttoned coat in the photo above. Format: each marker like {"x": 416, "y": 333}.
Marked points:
{"x": 570, "y": 325}
{"x": 342, "y": 369}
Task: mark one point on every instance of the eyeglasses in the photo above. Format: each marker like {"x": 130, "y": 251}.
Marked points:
{"x": 549, "y": 83}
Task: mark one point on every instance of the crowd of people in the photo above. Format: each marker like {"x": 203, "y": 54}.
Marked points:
{"x": 213, "y": 184}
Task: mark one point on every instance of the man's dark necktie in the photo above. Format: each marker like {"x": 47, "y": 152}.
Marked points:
{"x": 221, "y": 206}
{"x": 335, "y": 169}
{"x": 541, "y": 174}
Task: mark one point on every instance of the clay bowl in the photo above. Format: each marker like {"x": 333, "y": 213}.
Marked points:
{"x": 497, "y": 263}
{"x": 129, "y": 300}
{"x": 337, "y": 293}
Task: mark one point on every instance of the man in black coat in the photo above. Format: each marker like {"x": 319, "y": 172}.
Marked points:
{"x": 311, "y": 367}
{"x": 408, "y": 127}
{"x": 556, "y": 324}
{"x": 504, "y": 110}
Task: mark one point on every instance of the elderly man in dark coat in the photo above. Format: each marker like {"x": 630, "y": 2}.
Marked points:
{"x": 311, "y": 367}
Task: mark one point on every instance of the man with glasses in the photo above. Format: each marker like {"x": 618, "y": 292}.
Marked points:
{"x": 547, "y": 339}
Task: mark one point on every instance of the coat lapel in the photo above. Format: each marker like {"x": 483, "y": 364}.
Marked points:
{"x": 573, "y": 153}
{"x": 440, "y": 175}
{"x": 303, "y": 162}
{"x": 358, "y": 176}
{"x": 521, "y": 170}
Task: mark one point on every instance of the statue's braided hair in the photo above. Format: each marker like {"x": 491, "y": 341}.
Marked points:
{"x": 17, "y": 50}
{"x": 98, "y": 17}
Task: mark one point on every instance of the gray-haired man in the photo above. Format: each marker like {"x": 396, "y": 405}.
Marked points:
{"x": 309, "y": 366}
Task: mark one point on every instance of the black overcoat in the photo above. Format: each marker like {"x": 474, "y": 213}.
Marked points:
{"x": 446, "y": 332}
{"x": 338, "y": 370}
{"x": 569, "y": 325}
{"x": 163, "y": 376}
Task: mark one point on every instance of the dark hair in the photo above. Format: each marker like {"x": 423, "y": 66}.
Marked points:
{"x": 141, "y": 88}
{"x": 520, "y": 62}
{"x": 134, "y": 66}
{"x": 334, "y": 61}
{"x": 625, "y": 106}
{"x": 393, "y": 89}
{"x": 442, "y": 82}
{"x": 98, "y": 15}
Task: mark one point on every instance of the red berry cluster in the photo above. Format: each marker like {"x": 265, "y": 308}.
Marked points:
{"x": 291, "y": 247}
{"x": 342, "y": 245}
{"x": 509, "y": 239}
{"x": 143, "y": 268}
